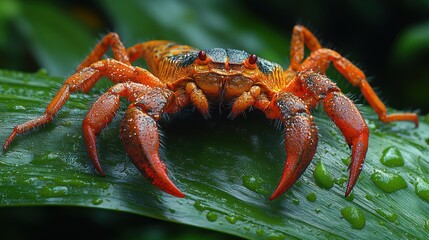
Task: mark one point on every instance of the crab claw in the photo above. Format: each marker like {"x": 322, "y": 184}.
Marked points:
{"x": 349, "y": 120}
{"x": 300, "y": 141}
{"x": 139, "y": 134}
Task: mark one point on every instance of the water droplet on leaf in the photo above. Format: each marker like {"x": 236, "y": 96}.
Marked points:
{"x": 354, "y": 216}
{"x": 392, "y": 157}
{"x": 388, "y": 182}
{"x": 322, "y": 177}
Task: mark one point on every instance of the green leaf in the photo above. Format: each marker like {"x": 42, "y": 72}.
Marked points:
{"x": 227, "y": 169}
{"x": 412, "y": 42}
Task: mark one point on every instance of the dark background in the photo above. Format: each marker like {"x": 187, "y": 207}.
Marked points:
{"x": 389, "y": 40}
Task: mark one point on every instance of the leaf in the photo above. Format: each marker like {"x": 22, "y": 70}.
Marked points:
{"x": 412, "y": 43}
{"x": 227, "y": 169}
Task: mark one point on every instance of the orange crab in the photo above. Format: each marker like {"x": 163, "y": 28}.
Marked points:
{"x": 181, "y": 75}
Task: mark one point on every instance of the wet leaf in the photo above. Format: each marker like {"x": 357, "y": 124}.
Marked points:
{"x": 213, "y": 162}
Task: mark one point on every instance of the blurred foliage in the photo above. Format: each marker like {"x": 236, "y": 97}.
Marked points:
{"x": 388, "y": 39}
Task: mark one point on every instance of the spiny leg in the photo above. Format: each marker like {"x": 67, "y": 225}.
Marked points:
{"x": 198, "y": 99}
{"x": 110, "y": 40}
{"x": 300, "y": 137}
{"x": 140, "y": 137}
{"x": 319, "y": 59}
{"x": 139, "y": 134}
{"x": 138, "y": 129}
{"x": 301, "y": 35}
{"x": 344, "y": 114}
{"x": 244, "y": 101}
{"x": 83, "y": 80}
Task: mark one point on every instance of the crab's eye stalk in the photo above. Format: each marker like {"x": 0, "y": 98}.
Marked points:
{"x": 202, "y": 55}
{"x": 253, "y": 59}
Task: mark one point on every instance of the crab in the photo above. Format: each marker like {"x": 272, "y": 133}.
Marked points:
{"x": 182, "y": 75}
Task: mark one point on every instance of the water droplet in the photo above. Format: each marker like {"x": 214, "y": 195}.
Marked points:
{"x": 200, "y": 205}
{"x": 211, "y": 216}
{"x": 276, "y": 236}
{"x": 47, "y": 158}
{"x": 322, "y": 177}
{"x": 66, "y": 123}
{"x": 350, "y": 197}
{"x": 346, "y": 161}
{"x": 260, "y": 232}
{"x": 354, "y": 216}
{"x": 391, "y": 217}
{"x": 57, "y": 191}
{"x": 254, "y": 184}
{"x": 295, "y": 201}
{"x": 97, "y": 201}
{"x": 422, "y": 189}
{"x": 231, "y": 218}
{"x": 311, "y": 197}
{"x": 392, "y": 157}
{"x": 20, "y": 108}
{"x": 369, "y": 197}
{"x": 388, "y": 182}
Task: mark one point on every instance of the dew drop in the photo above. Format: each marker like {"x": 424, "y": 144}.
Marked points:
{"x": 20, "y": 108}
{"x": 322, "y": 177}
{"x": 388, "y": 182}
{"x": 260, "y": 232}
{"x": 391, "y": 217}
{"x": 57, "y": 191}
{"x": 392, "y": 157}
{"x": 311, "y": 197}
{"x": 422, "y": 189}
{"x": 231, "y": 218}
{"x": 369, "y": 197}
{"x": 354, "y": 216}
{"x": 200, "y": 205}
{"x": 211, "y": 216}
{"x": 346, "y": 161}
{"x": 97, "y": 201}
{"x": 350, "y": 197}
{"x": 276, "y": 236}
{"x": 295, "y": 201}
{"x": 254, "y": 184}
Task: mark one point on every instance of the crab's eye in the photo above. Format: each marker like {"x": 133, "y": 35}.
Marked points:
{"x": 253, "y": 59}
{"x": 202, "y": 55}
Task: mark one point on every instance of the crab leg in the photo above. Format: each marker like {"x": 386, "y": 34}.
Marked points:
{"x": 301, "y": 35}
{"x": 349, "y": 120}
{"x": 319, "y": 61}
{"x": 198, "y": 99}
{"x": 244, "y": 101}
{"x": 83, "y": 80}
{"x": 138, "y": 130}
{"x": 345, "y": 116}
{"x": 321, "y": 57}
{"x": 110, "y": 40}
{"x": 139, "y": 134}
{"x": 300, "y": 138}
